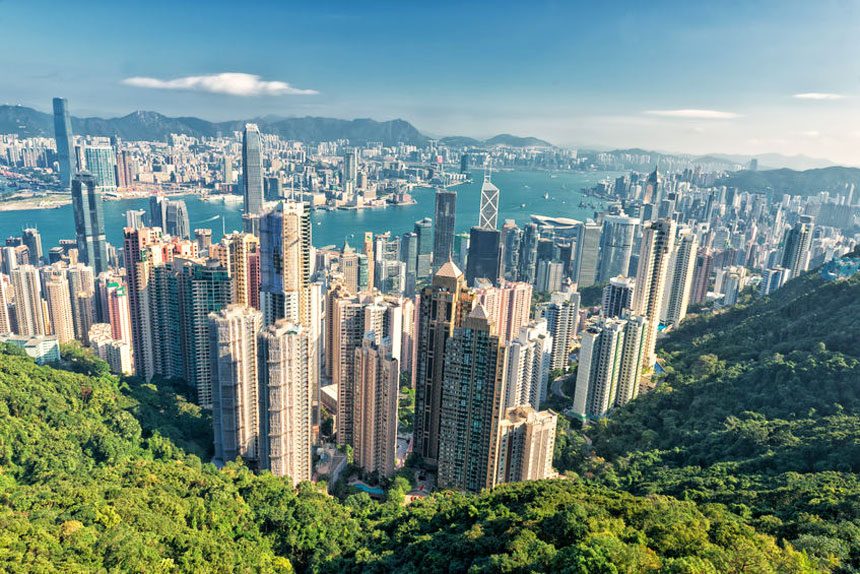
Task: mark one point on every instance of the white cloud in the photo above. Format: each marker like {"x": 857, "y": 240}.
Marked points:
{"x": 230, "y": 83}
{"x": 692, "y": 114}
{"x": 817, "y": 96}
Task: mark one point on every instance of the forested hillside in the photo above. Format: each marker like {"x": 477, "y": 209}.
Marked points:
{"x": 760, "y": 411}
{"x": 92, "y": 479}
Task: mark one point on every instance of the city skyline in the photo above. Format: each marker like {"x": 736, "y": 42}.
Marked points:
{"x": 670, "y": 77}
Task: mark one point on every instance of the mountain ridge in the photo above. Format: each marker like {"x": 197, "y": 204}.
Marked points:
{"x": 154, "y": 126}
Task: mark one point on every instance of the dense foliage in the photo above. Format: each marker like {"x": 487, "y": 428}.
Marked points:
{"x": 92, "y": 478}
{"x": 760, "y": 411}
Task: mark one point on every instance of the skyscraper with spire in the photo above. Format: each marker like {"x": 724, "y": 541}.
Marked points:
{"x": 65, "y": 143}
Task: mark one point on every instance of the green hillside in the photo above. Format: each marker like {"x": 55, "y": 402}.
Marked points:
{"x": 760, "y": 411}
{"x": 90, "y": 482}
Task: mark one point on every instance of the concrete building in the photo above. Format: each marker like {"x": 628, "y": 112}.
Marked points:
{"x": 526, "y": 440}
{"x": 377, "y": 388}
{"x": 286, "y": 400}
{"x": 235, "y": 382}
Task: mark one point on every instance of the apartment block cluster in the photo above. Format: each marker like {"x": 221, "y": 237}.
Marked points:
{"x": 277, "y": 337}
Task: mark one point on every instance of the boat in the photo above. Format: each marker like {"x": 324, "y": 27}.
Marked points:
{"x": 522, "y": 205}
{"x": 546, "y": 195}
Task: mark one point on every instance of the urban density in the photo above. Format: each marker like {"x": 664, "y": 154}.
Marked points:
{"x": 513, "y": 288}
{"x": 300, "y": 350}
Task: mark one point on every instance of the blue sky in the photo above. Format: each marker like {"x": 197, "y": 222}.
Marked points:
{"x": 679, "y": 76}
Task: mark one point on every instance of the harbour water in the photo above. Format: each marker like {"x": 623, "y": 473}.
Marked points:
{"x": 522, "y": 193}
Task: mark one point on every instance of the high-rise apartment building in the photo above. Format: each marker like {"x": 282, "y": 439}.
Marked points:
{"x": 472, "y": 399}
{"x": 286, "y": 400}
{"x": 443, "y": 306}
{"x": 30, "y": 311}
{"x": 59, "y": 305}
{"x": 526, "y": 440}
{"x": 657, "y": 245}
{"x": 618, "y": 296}
{"x": 796, "y": 246}
{"x": 562, "y": 317}
{"x": 679, "y": 279}
{"x": 235, "y": 382}
{"x": 529, "y": 360}
{"x": 374, "y": 418}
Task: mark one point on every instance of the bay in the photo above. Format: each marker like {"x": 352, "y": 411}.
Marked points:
{"x": 521, "y": 195}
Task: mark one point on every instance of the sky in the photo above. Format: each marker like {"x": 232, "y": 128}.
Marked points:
{"x": 745, "y": 77}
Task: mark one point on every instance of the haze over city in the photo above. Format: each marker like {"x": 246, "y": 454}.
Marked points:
{"x": 685, "y": 77}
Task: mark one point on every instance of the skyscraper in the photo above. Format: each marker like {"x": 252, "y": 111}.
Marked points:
{"x": 89, "y": 222}
{"x": 528, "y": 253}
{"x": 33, "y": 240}
{"x": 30, "y": 310}
{"x": 424, "y": 248}
{"x": 204, "y": 288}
{"x": 286, "y": 400}
{"x": 484, "y": 258}
{"x": 616, "y": 246}
{"x": 512, "y": 237}
{"x": 63, "y": 138}
{"x": 679, "y": 280}
{"x": 529, "y": 360}
{"x": 472, "y": 399}
{"x": 252, "y": 170}
{"x": 443, "y": 306}
{"x": 798, "y": 240}
{"x": 285, "y": 264}
{"x": 610, "y": 363}
{"x": 562, "y": 317}
{"x": 618, "y": 296}
{"x": 235, "y": 382}
{"x": 587, "y": 252}
{"x": 58, "y": 303}
{"x": 488, "y": 216}
{"x": 377, "y": 386}
{"x": 658, "y": 241}
{"x": 101, "y": 163}
{"x": 443, "y": 234}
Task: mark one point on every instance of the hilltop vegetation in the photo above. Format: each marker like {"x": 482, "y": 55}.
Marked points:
{"x": 759, "y": 411}
{"x": 91, "y": 479}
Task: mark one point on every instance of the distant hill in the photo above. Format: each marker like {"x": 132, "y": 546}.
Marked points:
{"x": 152, "y": 126}
{"x": 144, "y": 125}
{"x": 780, "y": 181}
{"x": 499, "y": 140}
{"x": 776, "y": 160}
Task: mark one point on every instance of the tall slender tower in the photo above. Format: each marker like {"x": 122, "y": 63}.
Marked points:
{"x": 235, "y": 382}
{"x": 252, "y": 170}
{"x": 472, "y": 399}
{"x": 679, "y": 279}
{"x": 443, "y": 306}
{"x": 89, "y": 222}
{"x": 616, "y": 246}
{"x": 658, "y": 241}
{"x": 65, "y": 145}
{"x": 286, "y": 401}
{"x": 488, "y": 216}
{"x": 443, "y": 234}
{"x": 377, "y": 386}
{"x": 285, "y": 263}
{"x": 795, "y": 249}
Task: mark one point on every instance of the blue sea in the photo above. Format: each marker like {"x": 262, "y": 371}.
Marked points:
{"x": 521, "y": 194}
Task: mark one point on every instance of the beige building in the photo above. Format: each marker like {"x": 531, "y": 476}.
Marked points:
{"x": 377, "y": 385}
{"x": 526, "y": 440}
{"x": 286, "y": 401}
{"x": 235, "y": 382}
